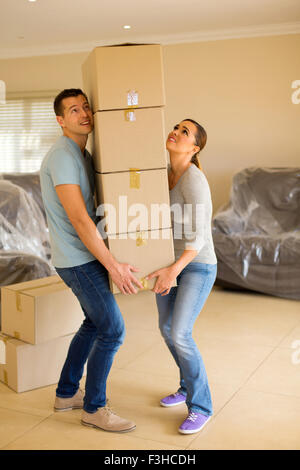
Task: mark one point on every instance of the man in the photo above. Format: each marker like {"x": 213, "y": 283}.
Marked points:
{"x": 83, "y": 261}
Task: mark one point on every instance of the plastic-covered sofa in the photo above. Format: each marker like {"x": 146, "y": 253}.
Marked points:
{"x": 30, "y": 182}
{"x": 257, "y": 234}
{"x": 24, "y": 237}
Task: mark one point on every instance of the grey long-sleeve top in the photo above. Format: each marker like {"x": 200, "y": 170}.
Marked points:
{"x": 191, "y": 213}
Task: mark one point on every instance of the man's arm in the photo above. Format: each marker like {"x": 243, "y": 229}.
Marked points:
{"x": 71, "y": 198}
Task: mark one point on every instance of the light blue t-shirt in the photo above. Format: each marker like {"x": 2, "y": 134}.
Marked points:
{"x": 65, "y": 164}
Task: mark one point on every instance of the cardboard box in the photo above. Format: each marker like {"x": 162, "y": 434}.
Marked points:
{"x": 129, "y": 139}
{"x": 25, "y": 366}
{"x": 134, "y": 200}
{"x": 147, "y": 251}
{"x": 119, "y": 77}
{"x": 40, "y": 310}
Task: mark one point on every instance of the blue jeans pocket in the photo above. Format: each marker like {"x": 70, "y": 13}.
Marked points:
{"x": 69, "y": 276}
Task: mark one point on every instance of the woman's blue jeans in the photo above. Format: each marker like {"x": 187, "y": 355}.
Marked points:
{"x": 99, "y": 337}
{"x": 177, "y": 314}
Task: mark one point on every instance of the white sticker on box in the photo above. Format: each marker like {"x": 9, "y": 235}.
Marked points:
{"x": 132, "y": 98}
{"x": 2, "y": 352}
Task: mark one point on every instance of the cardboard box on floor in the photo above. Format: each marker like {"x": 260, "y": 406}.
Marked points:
{"x": 147, "y": 251}
{"x": 136, "y": 197}
{"x": 25, "y": 366}
{"x": 40, "y": 310}
{"x": 118, "y": 77}
{"x": 125, "y": 139}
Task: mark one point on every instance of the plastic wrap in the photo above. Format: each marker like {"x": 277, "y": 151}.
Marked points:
{"x": 22, "y": 224}
{"x": 30, "y": 182}
{"x": 257, "y": 234}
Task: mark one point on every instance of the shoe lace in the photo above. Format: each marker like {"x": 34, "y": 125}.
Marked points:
{"x": 192, "y": 416}
{"x": 108, "y": 409}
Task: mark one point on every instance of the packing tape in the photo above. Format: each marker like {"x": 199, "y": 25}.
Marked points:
{"x": 134, "y": 178}
{"x": 17, "y": 335}
{"x": 4, "y": 338}
{"x": 21, "y": 291}
{"x": 130, "y": 115}
{"x": 140, "y": 239}
{"x": 144, "y": 283}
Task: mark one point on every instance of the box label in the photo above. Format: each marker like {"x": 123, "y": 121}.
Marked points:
{"x": 132, "y": 98}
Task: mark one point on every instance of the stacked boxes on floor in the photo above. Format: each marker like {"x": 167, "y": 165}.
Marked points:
{"x": 125, "y": 88}
{"x": 38, "y": 321}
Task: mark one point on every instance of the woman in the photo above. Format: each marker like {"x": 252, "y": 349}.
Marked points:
{"x": 194, "y": 269}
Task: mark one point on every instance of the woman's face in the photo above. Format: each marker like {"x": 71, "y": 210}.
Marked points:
{"x": 182, "y": 138}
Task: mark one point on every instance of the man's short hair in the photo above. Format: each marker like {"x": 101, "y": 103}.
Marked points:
{"x": 58, "y": 106}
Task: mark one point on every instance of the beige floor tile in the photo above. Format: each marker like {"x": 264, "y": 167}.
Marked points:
{"x": 143, "y": 389}
{"x": 14, "y": 424}
{"x": 253, "y": 420}
{"x": 227, "y": 362}
{"x": 255, "y": 388}
{"x": 230, "y": 362}
{"x": 139, "y": 311}
{"x": 55, "y": 433}
{"x": 134, "y": 345}
{"x": 38, "y": 402}
{"x": 278, "y": 374}
{"x": 292, "y": 340}
{"x": 157, "y": 361}
{"x": 136, "y": 396}
{"x": 253, "y": 318}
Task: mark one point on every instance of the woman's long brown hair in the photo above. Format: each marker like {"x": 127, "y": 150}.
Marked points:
{"x": 200, "y": 141}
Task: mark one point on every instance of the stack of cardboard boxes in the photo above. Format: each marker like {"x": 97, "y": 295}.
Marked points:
{"x": 38, "y": 321}
{"x": 125, "y": 87}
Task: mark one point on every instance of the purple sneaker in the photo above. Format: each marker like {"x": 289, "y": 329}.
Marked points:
{"x": 193, "y": 423}
{"x": 173, "y": 400}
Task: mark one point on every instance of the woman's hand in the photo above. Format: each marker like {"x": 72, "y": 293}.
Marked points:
{"x": 165, "y": 279}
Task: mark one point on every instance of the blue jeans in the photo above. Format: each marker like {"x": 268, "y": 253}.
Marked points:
{"x": 97, "y": 340}
{"x": 177, "y": 314}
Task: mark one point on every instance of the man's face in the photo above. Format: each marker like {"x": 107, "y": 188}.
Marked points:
{"x": 77, "y": 117}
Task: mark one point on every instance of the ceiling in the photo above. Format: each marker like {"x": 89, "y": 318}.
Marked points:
{"x": 60, "y": 26}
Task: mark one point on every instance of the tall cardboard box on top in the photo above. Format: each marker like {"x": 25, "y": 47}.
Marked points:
{"x": 125, "y": 86}
{"x": 119, "y": 77}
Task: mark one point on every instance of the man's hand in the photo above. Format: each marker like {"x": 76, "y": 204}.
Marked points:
{"x": 122, "y": 276}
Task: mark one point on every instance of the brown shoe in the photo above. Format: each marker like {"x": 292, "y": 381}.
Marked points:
{"x": 107, "y": 420}
{"x": 72, "y": 403}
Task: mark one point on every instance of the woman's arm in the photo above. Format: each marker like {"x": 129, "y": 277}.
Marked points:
{"x": 194, "y": 194}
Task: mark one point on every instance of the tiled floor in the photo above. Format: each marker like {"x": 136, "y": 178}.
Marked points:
{"x": 250, "y": 344}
